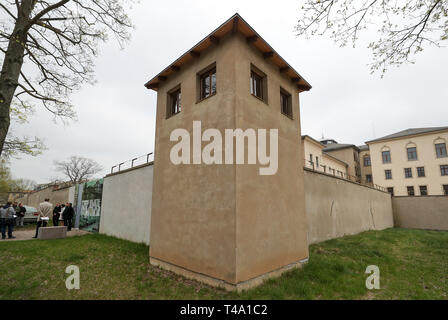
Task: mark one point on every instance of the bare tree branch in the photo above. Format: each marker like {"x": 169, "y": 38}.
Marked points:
{"x": 405, "y": 27}
{"x": 78, "y": 169}
{"x": 57, "y": 41}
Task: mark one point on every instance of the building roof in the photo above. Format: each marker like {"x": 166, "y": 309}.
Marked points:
{"x": 363, "y": 147}
{"x": 313, "y": 140}
{"x": 323, "y": 149}
{"x": 338, "y": 146}
{"x": 233, "y": 25}
{"x": 409, "y": 132}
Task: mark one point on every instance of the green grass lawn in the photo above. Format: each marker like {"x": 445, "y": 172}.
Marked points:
{"x": 413, "y": 265}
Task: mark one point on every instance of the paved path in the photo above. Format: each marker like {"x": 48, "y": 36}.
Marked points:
{"x": 29, "y": 234}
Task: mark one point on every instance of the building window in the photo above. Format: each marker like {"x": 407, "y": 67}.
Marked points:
{"x": 368, "y": 178}
{"x": 420, "y": 172}
{"x": 367, "y": 161}
{"x": 444, "y": 170}
{"x": 258, "y": 85}
{"x": 411, "y": 192}
{"x": 445, "y": 189}
{"x": 311, "y": 158}
{"x": 441, "y": 150}
{"x": 412, "y": 153}
{"x": 386, "y": 157}
{"x": 423, "y": 191}
{"x": 286, "y": 103}
{"x": 390, "y": 190}
{"x": 408, "y": 172}
{"x": 388, "y": 174}
{"x": 174, "y": 102}
{"x": 317, "y": 162}
{"x": 207, "y": 83}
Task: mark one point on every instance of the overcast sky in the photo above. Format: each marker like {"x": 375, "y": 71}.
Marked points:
{"x": 347, "y": 103}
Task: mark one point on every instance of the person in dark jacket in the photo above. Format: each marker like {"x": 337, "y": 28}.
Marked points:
{"x": 20, "y": 215}
{"x": 16, "y": 208}
{"x": 7, "y": 217}
{"x": 68, "y": 215}
{"x": 56, "y": 215}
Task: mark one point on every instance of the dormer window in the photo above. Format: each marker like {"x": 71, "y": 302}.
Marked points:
{"x": 441, "y": 150}
{"x": 386, "y": 157}
{"x": 412, "y": 153}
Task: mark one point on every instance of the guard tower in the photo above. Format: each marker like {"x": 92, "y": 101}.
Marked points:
{"x": 223, "y": 224}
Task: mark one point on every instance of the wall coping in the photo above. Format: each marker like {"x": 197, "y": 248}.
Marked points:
{"x": 342, "y": 179}
{"x": 130, "y": 169}
{"x": 429, "y": 196}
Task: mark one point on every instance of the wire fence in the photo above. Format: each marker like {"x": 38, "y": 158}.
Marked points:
{"x": 340, "y": 174}
{"x": 129, "y": 164}
{"x": 149, "y": 157}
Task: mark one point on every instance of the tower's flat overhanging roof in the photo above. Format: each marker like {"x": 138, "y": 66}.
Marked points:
{"x": 235, "y": 24}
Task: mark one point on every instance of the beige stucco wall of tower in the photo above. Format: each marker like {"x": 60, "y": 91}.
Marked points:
{"x": 226, "y": 224}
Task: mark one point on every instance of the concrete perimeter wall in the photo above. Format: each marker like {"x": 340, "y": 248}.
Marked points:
{"x": 334, "y": 207}
{"x": 429, "y": 212}
{"x": 33, "y": 199}
{"x": 337, "y": 207}
{"x": 60, "y": 196}
{"x": 126, "y": 204}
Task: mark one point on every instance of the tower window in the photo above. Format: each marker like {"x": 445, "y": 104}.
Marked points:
{"x": 207, "y": 81}
{"x": 258, "y": 86}
{"x": 174, "y": 103}
{"x": 285, "y": 102}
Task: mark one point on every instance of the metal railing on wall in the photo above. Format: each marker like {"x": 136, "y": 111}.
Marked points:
{"x": 311, "y": 165}
{"x": 129, "y": 164}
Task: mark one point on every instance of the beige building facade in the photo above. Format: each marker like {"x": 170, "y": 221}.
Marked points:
{"x": 318, "y": 160}
{"x": 412, "y": 162}
{"x": 347, "y": 153}
{"x": 365, "y": 165}
{"x": 227, "y": 225}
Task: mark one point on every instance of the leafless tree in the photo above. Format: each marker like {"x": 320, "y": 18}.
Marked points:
{"x": 22, "y": 184}
{"x": 47, "y": 50}
{"x": 78, "y": 169}
{"x": 404, "y": 27}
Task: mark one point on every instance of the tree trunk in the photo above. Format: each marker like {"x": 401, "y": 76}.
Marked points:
{"x": 12, "y": 65}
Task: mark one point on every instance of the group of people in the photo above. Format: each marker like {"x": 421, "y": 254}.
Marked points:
{"x": 11, "y": 214}
{"x": 46, "y": 210}
{"x": 66, "y": 211}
